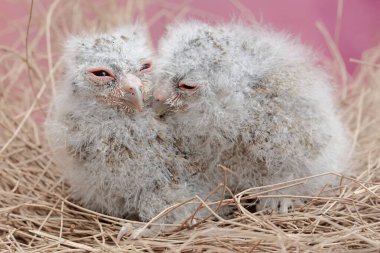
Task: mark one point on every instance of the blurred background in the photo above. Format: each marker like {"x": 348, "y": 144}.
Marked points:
{"x": 354, "y": 25}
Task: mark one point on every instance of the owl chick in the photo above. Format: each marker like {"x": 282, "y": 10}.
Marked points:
{"x": 116, "y": 157}
{"x": 253, "y": 100}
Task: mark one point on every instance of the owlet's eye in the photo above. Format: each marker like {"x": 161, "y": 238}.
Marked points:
{"x": 101, "y": 73}
{"x": 187, "y": 87}
{"x": 146, "y": 66}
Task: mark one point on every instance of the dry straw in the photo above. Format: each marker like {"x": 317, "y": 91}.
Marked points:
{"x": 36, "y": 214}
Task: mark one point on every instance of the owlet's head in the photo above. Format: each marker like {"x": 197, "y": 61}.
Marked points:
{"x": 113, "y": 68}
{"x": 190, "y": 66}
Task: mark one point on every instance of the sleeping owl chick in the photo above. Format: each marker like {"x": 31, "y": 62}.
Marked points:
{"x": 253, "y": 100}
{"x": 115, "y": 156}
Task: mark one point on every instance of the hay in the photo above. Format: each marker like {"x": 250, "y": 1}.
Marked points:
{"x": 36, "y": 214}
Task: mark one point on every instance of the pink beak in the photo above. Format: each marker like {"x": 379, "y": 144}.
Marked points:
{"x": 160, "y": 95}
{"x": 132, "y": 92}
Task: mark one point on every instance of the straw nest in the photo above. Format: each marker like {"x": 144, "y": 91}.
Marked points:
{"x": 36, "y": 215}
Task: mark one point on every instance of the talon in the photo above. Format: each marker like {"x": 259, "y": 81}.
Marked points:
{"x": 136, "y": 234}
{"x": 126, "y": 229}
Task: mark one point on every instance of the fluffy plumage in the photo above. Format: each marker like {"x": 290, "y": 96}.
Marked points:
{"x": 117, "y": 160}
{"x": 253, "y": 100}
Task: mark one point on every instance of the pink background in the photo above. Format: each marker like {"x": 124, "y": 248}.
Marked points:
{"x": 360, "y": 24}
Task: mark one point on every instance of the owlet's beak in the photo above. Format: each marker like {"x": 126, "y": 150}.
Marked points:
{"x": 131, "y": 92}
{"x": 160, "y": 95}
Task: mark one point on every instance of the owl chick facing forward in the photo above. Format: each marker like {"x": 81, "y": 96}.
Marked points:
{"x": 253, "y": 100}
{"x": 114, "y": 154}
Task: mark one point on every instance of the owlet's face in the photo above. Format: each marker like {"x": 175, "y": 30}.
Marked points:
{"x": 188, "y": 68}
{"x": 114, "y": 69}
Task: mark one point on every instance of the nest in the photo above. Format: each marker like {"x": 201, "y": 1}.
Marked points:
{"x": 36, "y": 214}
